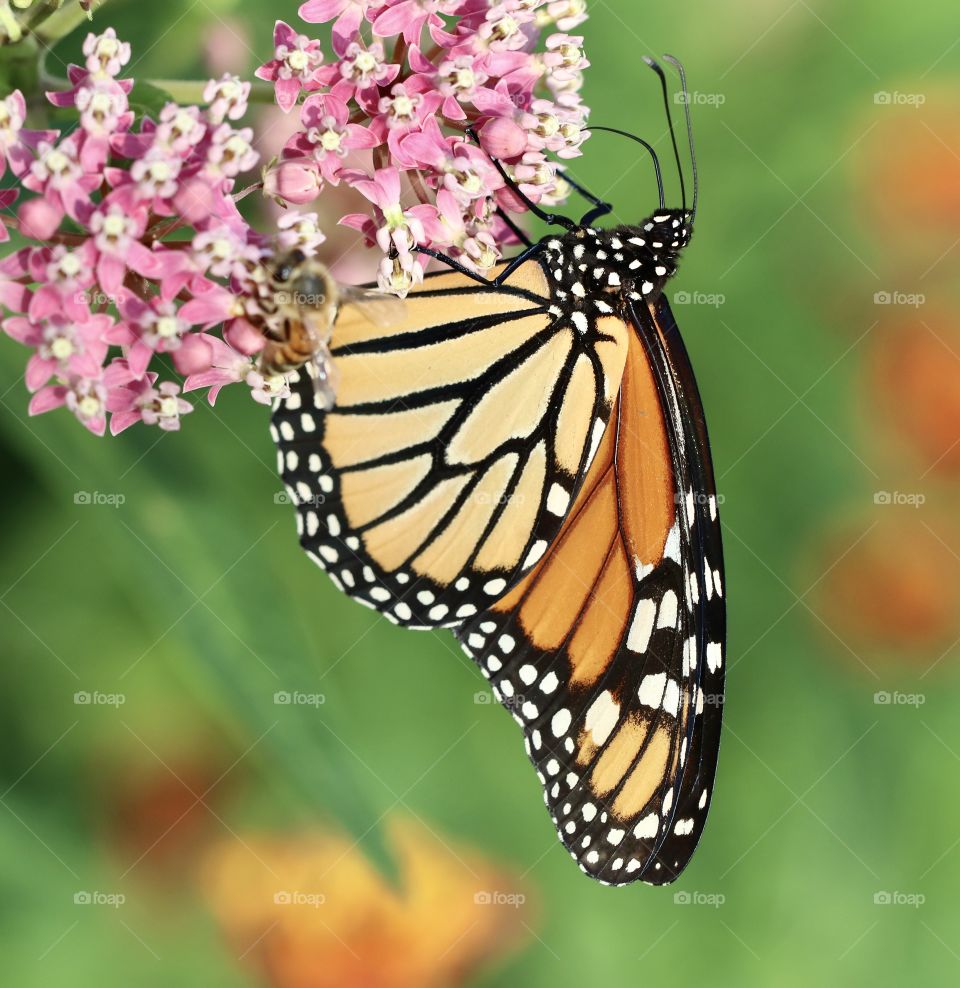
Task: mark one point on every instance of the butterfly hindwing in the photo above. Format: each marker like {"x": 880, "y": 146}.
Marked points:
{"x": 609, "y": 654}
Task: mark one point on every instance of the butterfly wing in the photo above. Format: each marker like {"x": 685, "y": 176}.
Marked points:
{"x": 460, "y": 438}
{"x": 610, "y": 653}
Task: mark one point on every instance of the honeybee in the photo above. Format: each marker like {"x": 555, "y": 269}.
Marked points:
{"x": 306, "y": 299}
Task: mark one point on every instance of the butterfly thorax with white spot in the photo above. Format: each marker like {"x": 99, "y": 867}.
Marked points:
{"x": 632, "y": 263}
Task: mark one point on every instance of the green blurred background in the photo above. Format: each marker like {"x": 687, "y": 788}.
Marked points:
{"x": 821, "y": 315}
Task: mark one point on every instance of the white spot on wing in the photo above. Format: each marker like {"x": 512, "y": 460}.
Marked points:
{"x": 535, "y": 554}
{"x": 642, "y": 626}
{"x": 560, "y": 723}
{"x": 652, "y": 689}
{"x": 558, "y": 501}
{"x": 714, "y": 656}
{"x": 667, "y": 618}
{"x": 647, "y": 828}
{"x": 602, "y": 717}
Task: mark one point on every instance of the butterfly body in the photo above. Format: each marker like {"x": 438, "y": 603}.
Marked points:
{"x": 630, "y": 263}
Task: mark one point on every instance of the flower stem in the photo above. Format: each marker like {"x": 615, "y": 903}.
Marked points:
{"x": 62, "y": 21}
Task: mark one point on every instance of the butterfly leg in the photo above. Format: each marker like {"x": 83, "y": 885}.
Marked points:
{"x": 601, "y": 208}
{"x": 554, "y": 219}
{"x": 453, "y": 263}
{"x": 520, "y": 234}
{"x": 525, "y": 255}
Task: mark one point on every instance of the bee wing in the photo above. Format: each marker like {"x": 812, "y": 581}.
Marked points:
{"x": 318, "y": 325}
{"x": 378, "y": 308}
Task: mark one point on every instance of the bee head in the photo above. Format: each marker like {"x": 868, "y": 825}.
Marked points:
{"x": 285, "y": 266}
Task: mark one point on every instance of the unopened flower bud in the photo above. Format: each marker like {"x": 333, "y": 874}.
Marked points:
{"x": 296, "y": 181}
{"x": 502, "y": 138}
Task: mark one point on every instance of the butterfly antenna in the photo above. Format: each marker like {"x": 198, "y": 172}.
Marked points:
{"x": 673, "y": 133}
{"x": 678, "y": 65}
{"x": 650, "y": 151}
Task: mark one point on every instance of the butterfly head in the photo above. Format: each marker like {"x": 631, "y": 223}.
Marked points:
{"x": 668, "y": 231}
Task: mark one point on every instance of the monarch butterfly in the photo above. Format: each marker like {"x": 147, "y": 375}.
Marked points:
{"x": 524, "y": 460}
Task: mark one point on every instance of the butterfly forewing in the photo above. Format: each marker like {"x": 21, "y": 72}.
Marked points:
{"x": 460, "y": 439}
{"x": 609, "y": 653}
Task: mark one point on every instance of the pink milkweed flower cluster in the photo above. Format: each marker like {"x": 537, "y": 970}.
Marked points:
{"x": 390, "y": 113}
{"x": 136, "y": 250}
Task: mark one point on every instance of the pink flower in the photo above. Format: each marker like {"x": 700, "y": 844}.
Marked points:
{"x": 103, "y": 108}
{"x": 461, "y": 167}
{"x": 231, "y": 367}
{"x": 551, "y": 127}
{"x": 503, "y": 27}
{"x": 458, "y": 79}
{"x": 226, "y": 98}
{"x": 468, "y": 233}
{"x": 106, "y": 55}
{"x": 230, "y": 153}
{"x": 408, "y": 17}
{"x": 181, "y": 128}
{"x": 299, "y": 231}
{"x": 140, "y": 401}
{"x": 116, "y": 230}
{"x": 567, "y": 14}
{"x": 68, "y": 349}
{"x": 13, "y": 113}
{"x": 330, "y": 136}
{"x": 504, "y": 139}
{"x": 346, "y": 15}
{"x": 399, "y": 230}
{"x": 564, "y": 59}
{"x": 363, "y": 67}
{"x": 84, "y": 397}
{"x": 147, "y": 328}
{"x": 295, "y": 67}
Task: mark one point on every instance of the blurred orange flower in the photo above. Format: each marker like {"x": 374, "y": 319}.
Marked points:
{"x": 160, "y": 816}
{"x": 914, "y": 383}
{"x": 898, "y": 588}
{"x": 312, "y": 912}
{"x": 912, "y": 164}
